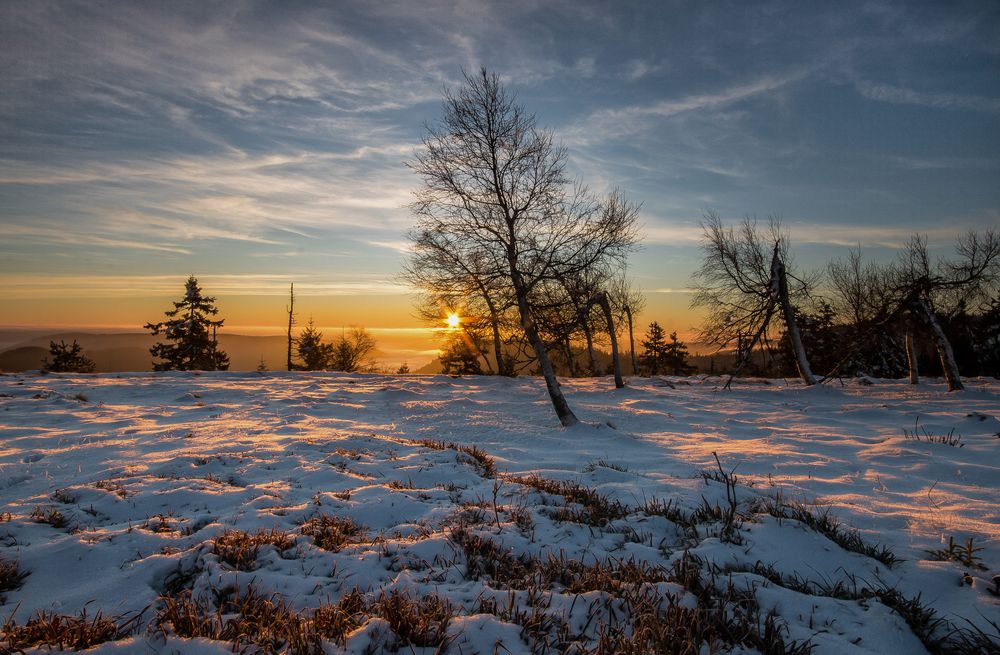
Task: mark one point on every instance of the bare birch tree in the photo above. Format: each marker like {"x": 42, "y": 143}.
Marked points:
{"x": 451, "y": 277}
{"x": 922, "y": 287}
{"x": 495, "y": 184}
{"x": 629, "y": 302}
{"x": 743, "y": 283}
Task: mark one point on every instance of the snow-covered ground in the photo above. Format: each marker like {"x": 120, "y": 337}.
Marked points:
{"x": 148, "y": 471}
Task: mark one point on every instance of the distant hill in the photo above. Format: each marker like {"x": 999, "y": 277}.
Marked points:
{"x": 129, "y": 351}
{"x": 24, "y": 358}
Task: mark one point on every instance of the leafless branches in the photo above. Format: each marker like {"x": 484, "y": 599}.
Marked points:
{"x": 498, "y": 218}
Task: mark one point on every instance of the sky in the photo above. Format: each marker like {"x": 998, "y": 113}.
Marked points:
{"x": 254, "y": 144}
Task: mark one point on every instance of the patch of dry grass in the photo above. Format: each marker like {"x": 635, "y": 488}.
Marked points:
{"x": 483, "y": 463}
{"x": 331, "y": 532}
{"x": 63, "y": 632}
{"x": 11, "y": 576}
{"x": 240, "y": 549}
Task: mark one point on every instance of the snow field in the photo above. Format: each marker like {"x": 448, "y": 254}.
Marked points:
{"x": 361, "y": 513}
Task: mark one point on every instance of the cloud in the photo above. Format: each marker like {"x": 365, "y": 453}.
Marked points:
{"x": 609, "y": 124}
{"x": 44, "y": 286}
{"x": 400, "y": 245}
{"x": 950, "y": 101}
{"x": 29, "y": 234}
{"x": 263, "y": 199}
{"x": 636, "y": 69}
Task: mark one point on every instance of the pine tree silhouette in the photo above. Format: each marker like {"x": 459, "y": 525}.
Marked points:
{"x": 675, "y": 356}
{"x": 190, "y": 333}
{"x": 654, "y": 356}
{"x": 67, "y": 358}
{"x": 315, "y": 354}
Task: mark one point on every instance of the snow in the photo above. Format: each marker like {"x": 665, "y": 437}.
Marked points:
{"x": 195, "y": 455}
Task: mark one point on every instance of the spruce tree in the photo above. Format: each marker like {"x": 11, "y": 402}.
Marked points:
{"x": 315, "y": 354}
{"x": 675, "y": 356}
{"x": 190, "y": 333}
{"x": 654, "y": 356}
{"x": 67, "y": 358}
{"x": 458, "y": 359}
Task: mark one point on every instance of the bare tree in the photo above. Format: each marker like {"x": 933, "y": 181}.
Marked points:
{"x": 451, "y": 277}
{"x": 914, "y": 289}
{"x": 861, "y": 295}
{"x": 494, "y": 184}
{"x": 743, "y": 282}
{"x": 923, "y": 288}
{"x": 601, "y": 300}
{"x": 352, "y": 350}
{"x": 291, "y": 324}
{"x": 629, "y": 302}
{"x": 858, "y": 288}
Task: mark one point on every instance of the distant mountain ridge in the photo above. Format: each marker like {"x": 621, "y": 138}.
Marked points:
{"x": 129, "y": 351}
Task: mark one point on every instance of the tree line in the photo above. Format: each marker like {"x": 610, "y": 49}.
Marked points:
{"x": 857, "y": 316}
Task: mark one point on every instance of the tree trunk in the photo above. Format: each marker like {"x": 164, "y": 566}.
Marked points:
{"x": 948, "y": 363}
{"x": 291, "y": 321}
{"x": 570, "y": 361}
{"x": 631, "y": 341}
{"x": 911, "y": 357}
{"x": 748, "y": 353}
{"x": 473, "y": 346}
{"x": 565, "y": 414}
{"x": 602, "y": 300}
{"x": 590, "y": 346}
{"x": 502, "y": 368}
{"x": 778, "y": 275}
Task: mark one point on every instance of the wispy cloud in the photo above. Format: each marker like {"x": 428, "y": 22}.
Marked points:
{"x": 125, "y": 286}
{"x": 608, "y": 124}
{"x": 951, "y": 101}
{"x": 28, "y": 234}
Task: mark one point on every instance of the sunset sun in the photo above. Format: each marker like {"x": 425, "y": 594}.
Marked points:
{"x": 453, "y": 320}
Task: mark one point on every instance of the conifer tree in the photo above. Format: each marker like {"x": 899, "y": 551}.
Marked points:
{"x": 675, "y": 356}
{"x": 458, "y": 357}
{"x": 315, "y": 354}
{"x": 67, "y": 358}
{"x": 190, "y": 333}
{"x": 654, "y": 356}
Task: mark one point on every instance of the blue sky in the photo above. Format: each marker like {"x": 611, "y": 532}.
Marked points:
{"x": 257, "y": 143}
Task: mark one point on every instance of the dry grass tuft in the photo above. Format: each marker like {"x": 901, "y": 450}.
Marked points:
{"x": 418, "y": 622}
{"x": 484, "y": 464}
{"x": 336, "y": 621}
{"x": 595, "y": 510}
{"x": 62, "y": 632}
{"x": 331, "y": 532}
{"x": 828, "y": 526}
{"x": 113, "y": 487}
{"x": 240, "y": 549}
{"x": 51, "y": 516}
{"x": 11, "y": 576}
{"x": 252, "y": 622}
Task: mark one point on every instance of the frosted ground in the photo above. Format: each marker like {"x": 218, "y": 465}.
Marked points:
{"x": 121, "y": 494}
